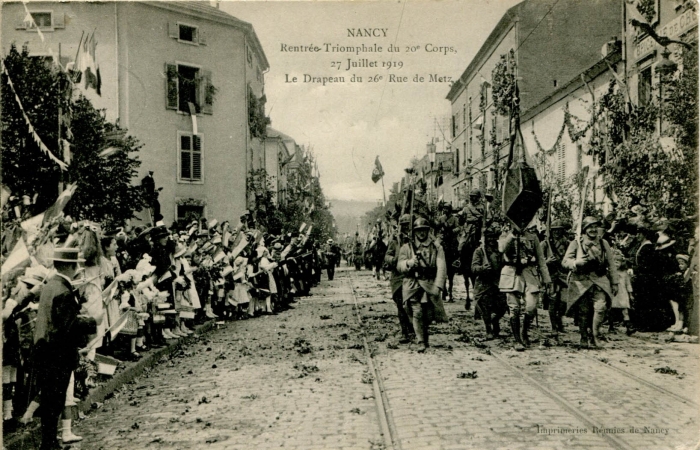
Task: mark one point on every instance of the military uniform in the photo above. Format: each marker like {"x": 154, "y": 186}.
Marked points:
{"x": 523, "y": 259}
{"x": 553, "y": 251}
{"x": 396, "y": 282}
{"x": 423, "y": 266}
{"x": 591, "y": 282}
{"x": 486, "y": 267}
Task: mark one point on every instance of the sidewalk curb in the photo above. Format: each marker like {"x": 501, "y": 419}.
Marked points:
{"x": 29, "y": 438}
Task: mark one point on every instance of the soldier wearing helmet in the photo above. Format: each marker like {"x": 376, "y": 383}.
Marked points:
{"x": 396, "y": 281}
{"x": 470, "y": 236}
{"x": 593, "y": 280}
{"x": 422, "y": 261}
{"x": 553, "y": 249}
{"x": 447, "y": 229}
{"x": 524, "y": 264}
{"x": 486, "y": 267}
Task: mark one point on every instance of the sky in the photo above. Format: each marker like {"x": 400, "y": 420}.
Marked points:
{"x": 348, "y": 124}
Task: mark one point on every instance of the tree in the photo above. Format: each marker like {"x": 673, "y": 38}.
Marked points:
{"x": 265, "y": 212}
{"x": 104, "y": 190}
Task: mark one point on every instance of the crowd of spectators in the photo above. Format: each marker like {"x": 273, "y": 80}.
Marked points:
{"x": 136, "y": 289}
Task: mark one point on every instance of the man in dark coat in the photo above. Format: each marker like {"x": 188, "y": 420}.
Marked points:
{"x": 593, "y": 281}
{"x": 60, "y": 331}
{"x": 390, "y": 261}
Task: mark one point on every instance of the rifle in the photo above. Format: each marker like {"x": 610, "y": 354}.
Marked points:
{"x": 579, "y": 224}
{"x": 548, "y": 230}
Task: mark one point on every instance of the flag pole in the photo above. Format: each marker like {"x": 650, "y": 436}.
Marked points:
{"x": 383, "y": 191}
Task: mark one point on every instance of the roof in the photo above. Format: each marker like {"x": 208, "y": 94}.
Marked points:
{"x": 204, "y": 10}
{"x": 577, "y": 82}
{"x": 496, "y": 35}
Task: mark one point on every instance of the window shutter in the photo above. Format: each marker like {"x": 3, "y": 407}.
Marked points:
{"x": 185, "y": 158}
{"x": 171, "y": 95}
{"x": 173, "y": 30}
{"x": 207, "y": 104}
{"x": 59, "y": 20}
{"x": 21, "y": 24}
{"x": 561, "y": 154}
{"x": 196, "y": 158}
{"x": 202, "y": 37}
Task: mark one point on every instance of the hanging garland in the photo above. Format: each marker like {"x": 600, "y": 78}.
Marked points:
{"x": 574, "y": 134}
{"x": 30, "y": 127}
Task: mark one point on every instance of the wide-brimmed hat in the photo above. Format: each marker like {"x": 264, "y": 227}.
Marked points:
{"x": 664, "y": 242}
{"x": 69, "y": 255}
{"x": 277, "y": 246}
{"x": 35, "y": 275}
{"x": 159, "y": 232}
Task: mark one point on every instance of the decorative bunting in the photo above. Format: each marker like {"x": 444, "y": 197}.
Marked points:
{"x": 30, "y": 127}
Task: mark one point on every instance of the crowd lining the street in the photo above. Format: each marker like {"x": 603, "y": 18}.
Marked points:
{"x": 87, "y": 294}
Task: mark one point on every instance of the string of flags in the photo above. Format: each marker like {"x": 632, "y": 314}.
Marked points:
{"x": 30, "y": 127}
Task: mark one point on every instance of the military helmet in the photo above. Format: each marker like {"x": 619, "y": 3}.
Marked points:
{"x": 420, "y": 224}
{"x": 475, "y": 193}
{"x": 560, "y": 224}
{"x": 406, "y": 218}
{"x": 589, "y": 221}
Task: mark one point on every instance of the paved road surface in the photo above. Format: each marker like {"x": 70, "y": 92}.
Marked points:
{"x": 301, "y": 380}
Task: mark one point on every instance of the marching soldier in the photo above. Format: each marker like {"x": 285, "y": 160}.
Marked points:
{"x": 593, "y": 280}
{"x": 553, "y": 250}
{"x": 486, "y": 266}
{"x": 523, "y": 259}
{"x": 422, "y": 262}
{"x": 396, "y": 282}
{"x": 473, "y": 219}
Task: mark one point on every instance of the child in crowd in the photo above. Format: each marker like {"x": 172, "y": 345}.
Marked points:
{"x": 624, "y": 295}
{"x": 682, "y": 293}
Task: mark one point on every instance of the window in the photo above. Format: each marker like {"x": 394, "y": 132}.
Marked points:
{"x": 469, "y": 155}
{"x": 249, "y": 56}
{"x": 186, "y": 33}
{"x": 188, "y": 213}
{"x": 454, "y": 127}
{"x": 644, "y": 86}
{"x": 43, "y": 20}
{"x": 464, "y": 161}
{"x": 464, "y": 115}
{"x": 188, "y": 84}
{"x": 190, "y": 160}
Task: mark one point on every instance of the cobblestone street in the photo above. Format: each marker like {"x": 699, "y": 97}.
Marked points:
{"x": 301, "y": 379}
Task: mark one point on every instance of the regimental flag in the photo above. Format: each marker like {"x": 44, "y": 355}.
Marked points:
{"x": 378, "y": 172}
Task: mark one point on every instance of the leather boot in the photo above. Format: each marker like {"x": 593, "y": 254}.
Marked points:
{"x": 630, "y": 329}
{"x": 583, "y": 330}
{"x": 496, "y": 326}
{"x": 515, "y": 327}
{"x": 598, "y": 317}
{"x": 527, "y": 321}
{"x": 553, "y": 319}
{"x": 424, "y": 324}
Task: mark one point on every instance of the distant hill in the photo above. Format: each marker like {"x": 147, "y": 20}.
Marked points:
{"x": 348, "y": 214}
